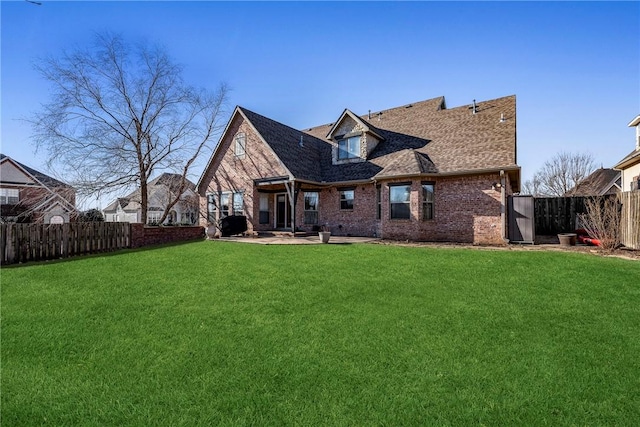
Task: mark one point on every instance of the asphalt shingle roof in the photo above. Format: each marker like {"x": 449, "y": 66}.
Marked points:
{"x": 596, "y": 184}
{"x": 419, "y": 138}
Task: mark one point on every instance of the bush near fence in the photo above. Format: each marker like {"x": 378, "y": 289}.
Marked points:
{"x": 555, "y": 215}
{"x": 40, "y": 242}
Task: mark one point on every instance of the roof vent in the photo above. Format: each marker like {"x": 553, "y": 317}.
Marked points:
{"x": 301, "y": 141}
{"x": 502, "y": 119}
{"x": 474, "y": 107}
{"x": 369, "y": 116}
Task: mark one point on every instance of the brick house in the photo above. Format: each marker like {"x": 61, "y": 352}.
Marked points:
{"x": 419, "y": 172}
{"x": 28, "y": 195}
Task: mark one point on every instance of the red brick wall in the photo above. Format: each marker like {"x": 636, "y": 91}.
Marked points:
{"x": 228, "y": 173}
{"x": 142, "y": 235}
{"x": 467, "y": 210}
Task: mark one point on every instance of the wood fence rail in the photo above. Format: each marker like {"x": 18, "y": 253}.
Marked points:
{"x": 39, "y": 242}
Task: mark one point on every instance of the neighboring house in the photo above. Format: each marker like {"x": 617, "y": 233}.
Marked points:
{"x": 419, "y": 171}
{"x": 630, "y": 165}
{"x": 27, "y": 195}
{"x": 161, "y": 191}
{"x": 601, "y": 182}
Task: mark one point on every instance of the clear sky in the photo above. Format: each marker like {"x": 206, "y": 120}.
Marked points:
{"x": 574, "y": 66}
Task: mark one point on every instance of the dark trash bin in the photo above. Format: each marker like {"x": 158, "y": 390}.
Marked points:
{"x": 233, "y": 224}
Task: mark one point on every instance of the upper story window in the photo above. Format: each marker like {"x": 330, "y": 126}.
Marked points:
{"x": 240, "y": 145}
{"x": 349, "y": 148}
{"x": 9, "y": 196}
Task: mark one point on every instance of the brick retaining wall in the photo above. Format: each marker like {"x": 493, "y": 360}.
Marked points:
{"x": 142, "y": 235}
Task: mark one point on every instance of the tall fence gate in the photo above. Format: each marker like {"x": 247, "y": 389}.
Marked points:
{"x": 521, "y": 219}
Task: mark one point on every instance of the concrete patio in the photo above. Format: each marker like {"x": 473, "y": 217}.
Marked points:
{"x": 298, "y": 240}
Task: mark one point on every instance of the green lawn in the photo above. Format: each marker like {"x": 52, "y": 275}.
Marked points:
{"x": 215, "y": 333}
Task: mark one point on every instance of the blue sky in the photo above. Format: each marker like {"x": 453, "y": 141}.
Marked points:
{"x": 574, "y": 66}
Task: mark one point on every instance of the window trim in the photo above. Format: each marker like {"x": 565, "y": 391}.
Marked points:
{"x": 229, "y": 210}
{"x": 349, "y": 155}
{"x": 233, "y": 203}
{"x": 342, "y": 192}
{"x": 240, "y": 141}
{"x": 425, "y": 203}
{"x": 391, "y": 203}
{"x": 307, "y": 212}
{"x": 9, "y": 196}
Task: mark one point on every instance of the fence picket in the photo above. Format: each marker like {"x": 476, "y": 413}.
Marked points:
{"x": 36, "y": 242}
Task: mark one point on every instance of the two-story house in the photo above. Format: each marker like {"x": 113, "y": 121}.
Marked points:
{"x": 420, "y": 171}
{"x": 161, "y": 191}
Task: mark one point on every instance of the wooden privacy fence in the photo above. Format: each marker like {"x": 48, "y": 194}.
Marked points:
{"x": 39, "y": 242}
{"x": 555, "y": 215}
{"x": 630, "y": 219}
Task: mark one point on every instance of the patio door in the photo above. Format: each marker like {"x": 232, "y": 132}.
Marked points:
{"x": 283, "y": 211}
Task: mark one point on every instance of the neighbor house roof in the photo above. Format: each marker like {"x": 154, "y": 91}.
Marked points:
{"x": 415, "y": 139}
{"x": 39, "y": 176}
{"x": 600, "y": 182}
{"x": 131, "y": 202}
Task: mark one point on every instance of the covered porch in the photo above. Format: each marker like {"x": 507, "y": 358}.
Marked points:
{"x": 286, "y": 204}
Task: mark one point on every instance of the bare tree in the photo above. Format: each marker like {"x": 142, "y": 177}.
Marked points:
{"x": 602, "y": 220}
{"x": 560, "y": 175}
{"x": 120, "y": 113}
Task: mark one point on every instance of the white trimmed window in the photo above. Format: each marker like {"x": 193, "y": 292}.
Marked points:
{"x": 311, "y": 207}
{"x": 224, "y": 204}
{"x": 9, "y": 196}
{"x": 349, "y": 148}
{"x": 153, "y": 217}
{"x": 238, "y": 203}
{"x": 212, "y": 208}
{"x": 240, "y": 145}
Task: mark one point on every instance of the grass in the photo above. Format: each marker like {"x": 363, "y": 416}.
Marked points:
{"x": 215, "y": 333}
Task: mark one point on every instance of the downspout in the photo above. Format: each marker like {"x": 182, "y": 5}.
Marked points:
{"x": 503, "y": 206}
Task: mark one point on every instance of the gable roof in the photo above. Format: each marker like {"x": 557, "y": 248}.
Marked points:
{"x": 629, "y": 160}
{"x": 40, "y": 177}
{"x": 598, "y": 183}
{"x": 359, "y": 120}
{"x": 416, "y": 139}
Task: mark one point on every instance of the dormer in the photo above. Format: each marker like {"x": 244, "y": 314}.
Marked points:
{"x": 352, "y": 139}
